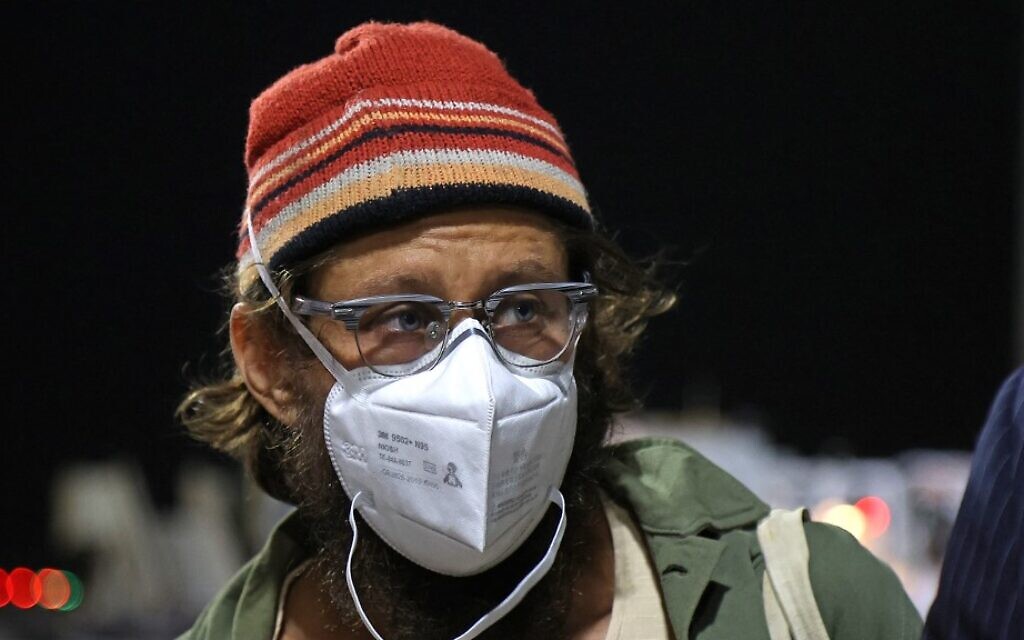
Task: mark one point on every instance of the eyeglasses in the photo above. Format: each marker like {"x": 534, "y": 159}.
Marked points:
{"x": 398, "y": 335}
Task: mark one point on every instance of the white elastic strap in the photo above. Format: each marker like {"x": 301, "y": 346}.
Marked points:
{"x": 788, "y": 581}
{"x": 495, "y": 614}
{"x": 321, "y": 352}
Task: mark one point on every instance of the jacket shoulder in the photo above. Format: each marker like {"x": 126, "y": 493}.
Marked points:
{"x": 217, "y": 619}
{"x": 858, "y": 595}
{"x": 699, "y": 518}
{"x": 246, "y": 606}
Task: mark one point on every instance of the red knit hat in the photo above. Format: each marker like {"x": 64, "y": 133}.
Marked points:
{"x": 399, "y": 121}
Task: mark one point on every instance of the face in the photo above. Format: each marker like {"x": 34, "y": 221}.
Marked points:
{"x": 464, "y": 255}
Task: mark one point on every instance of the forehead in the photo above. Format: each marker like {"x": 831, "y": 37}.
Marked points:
{"x": 462, "y": 254}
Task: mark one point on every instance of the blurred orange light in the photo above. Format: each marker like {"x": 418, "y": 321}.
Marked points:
{"x": 55, "y": 589}
{"x": 876, "y": 514}
{"x": 846, "y": 516}
{"x": 24, "y": 588}
{"x": 5, "y": 595}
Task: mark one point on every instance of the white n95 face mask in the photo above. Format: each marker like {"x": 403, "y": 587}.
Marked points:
{"x": 457, "y": 462}
{"x": 453, "y": 467}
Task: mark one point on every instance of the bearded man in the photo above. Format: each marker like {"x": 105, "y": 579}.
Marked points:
{"x": 428, "y": 341}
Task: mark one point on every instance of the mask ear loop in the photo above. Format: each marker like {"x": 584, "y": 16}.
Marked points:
{"x": 495, "y": 614}
{"x": 319, "y": 350}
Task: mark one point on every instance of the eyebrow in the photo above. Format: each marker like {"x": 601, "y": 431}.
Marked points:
{"x": 525, "y": 271}
{"x": 391, "y": 283}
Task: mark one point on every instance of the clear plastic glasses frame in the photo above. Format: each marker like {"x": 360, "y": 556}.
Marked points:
{"x": 528, "y": 325}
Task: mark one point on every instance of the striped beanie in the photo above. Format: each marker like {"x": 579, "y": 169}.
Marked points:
{"x": 398, "y": 122}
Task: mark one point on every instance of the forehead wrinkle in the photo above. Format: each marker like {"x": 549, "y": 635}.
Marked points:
{"x": 456, "y": 259}
{"x": 359, "y": 278}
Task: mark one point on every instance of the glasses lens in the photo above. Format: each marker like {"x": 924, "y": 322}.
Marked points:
{"x": 533, "y": 327}
{"x": 395, "y": 337}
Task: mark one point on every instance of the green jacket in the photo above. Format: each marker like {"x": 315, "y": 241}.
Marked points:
{"x": 699, "y": 525}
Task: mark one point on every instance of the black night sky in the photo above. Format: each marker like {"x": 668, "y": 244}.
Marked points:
{"x": 838, "y": 179}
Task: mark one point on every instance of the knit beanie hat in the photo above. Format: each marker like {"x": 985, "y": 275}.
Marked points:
{"x": 399, "y": 121}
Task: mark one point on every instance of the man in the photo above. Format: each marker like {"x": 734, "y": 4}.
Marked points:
{"x": 983, "y": 571}
{"x": 428, "y": 346}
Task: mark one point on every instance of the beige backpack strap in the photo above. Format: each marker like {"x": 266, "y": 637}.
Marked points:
{"x": 778, "y": 628}
{"x": 789, "y": 603}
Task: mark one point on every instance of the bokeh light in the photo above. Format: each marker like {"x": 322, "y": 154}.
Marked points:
{"x": 55, "y": 589}
{"x": 24, "y": 588}
{"x": 77, "y": 592}
{"x": 846, "y": 516}
{"x": 876, "y": 513}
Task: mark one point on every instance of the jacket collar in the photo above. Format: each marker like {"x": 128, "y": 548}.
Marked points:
{"x": 673, "y": 490}
{"x": 683, "y": 503}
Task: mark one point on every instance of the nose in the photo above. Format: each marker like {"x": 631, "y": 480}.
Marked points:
{"x": 458, "y": 332}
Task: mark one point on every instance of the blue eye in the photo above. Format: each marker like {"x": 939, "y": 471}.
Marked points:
{"x": 402, "y": 318}
{"x": 409, "y": 321}
{"x": 520, "y": 309}
{"x": 524, "y": 311}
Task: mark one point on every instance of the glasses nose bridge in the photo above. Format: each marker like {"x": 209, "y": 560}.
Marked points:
{"x": 461, "y": 309}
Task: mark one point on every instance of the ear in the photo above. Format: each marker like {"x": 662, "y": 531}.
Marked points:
{"x": 256, "y": 357}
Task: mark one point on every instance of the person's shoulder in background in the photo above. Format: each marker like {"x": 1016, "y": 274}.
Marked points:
{"x": 982, "y": 585}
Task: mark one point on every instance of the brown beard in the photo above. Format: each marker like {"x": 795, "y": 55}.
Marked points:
{"x": 404, "y": 600}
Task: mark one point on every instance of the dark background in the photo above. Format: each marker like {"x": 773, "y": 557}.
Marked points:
{"x": 840, "y": 180}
